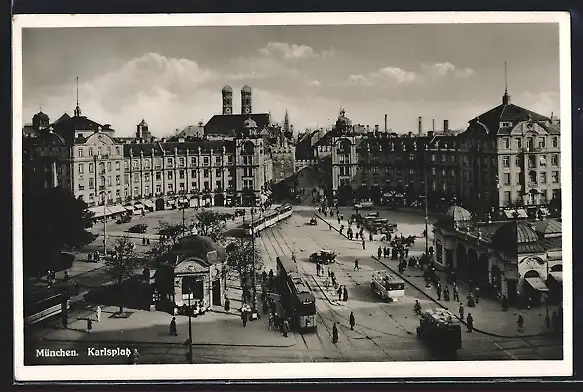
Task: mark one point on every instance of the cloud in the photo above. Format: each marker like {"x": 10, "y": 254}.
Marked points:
{"x": 544, "y": 103}
{"x": 397, "y": 74}
{"x": 314, "y": 83}
{"x": 358, "y": 80}
{"x": 440, "y": 70}
{"x": 293, "y": 51}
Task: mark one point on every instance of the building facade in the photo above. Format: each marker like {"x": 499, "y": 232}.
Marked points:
{"x": 507, "y": 158}
{"x": 83, "y": 156}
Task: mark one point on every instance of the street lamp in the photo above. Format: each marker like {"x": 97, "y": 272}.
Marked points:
{"x": 426, "y": 218}
{"x": 189, "y": 325}
{"x": 254, "y": 308}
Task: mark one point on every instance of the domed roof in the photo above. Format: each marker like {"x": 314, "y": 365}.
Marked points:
{"x": 516, "y": 237}
{"x": 246, "y": 89}
{"x": 227, "y": 89}
{"x": 41, "y": 116}
{"x": 143, "y": 123}
{"x": 458, "y": 214}
{"x": 343, "y": 120}
{"x": 249, "y": 123}
{"x": 548, "y": 228}
{"x": 199, "y": 246}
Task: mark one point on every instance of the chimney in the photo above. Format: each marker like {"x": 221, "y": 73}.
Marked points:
{"x": 385, "y": 122}
{"x": 376, "y": 128}
{"x": 433, "y": 125}
{"x": 430, "y": 134}
{"x": 445, "y": 126}
{"x": 420, "y": 128}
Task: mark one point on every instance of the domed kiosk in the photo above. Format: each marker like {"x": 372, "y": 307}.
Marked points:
{"x": 455, "y": 216}
{"x": 516, "y": 237}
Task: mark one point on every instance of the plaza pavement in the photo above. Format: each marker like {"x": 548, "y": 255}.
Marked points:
{"x": 488, "y": 315}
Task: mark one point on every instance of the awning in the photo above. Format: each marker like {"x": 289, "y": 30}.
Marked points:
{"x": 522, "y": 213}
{"x": 149, "y": 203}
{"x": 116, "y": 209}
{"x": 138, "y": 206}
{"x": 537, "y": 284}
{"x": 509, "y": 213}
{"x": 544, "y": 210}
{"x": 183, "y": 200}
{"x": 97, "y": 211}
{"x": 171, "y": 201}
{"x": 129, "y": 208}
{"x": 558, "y": 276}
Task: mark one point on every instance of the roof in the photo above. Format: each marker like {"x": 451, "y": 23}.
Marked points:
{"x": 66, "y": 127}
{"x": 197, "y": 246}
{"x": 229, "y": 124}
{"x": 249, "y": 123}
{"x": 489, "y": 122}
{"x": 192, "y": 131}
{"x": 245, "y": 89}
{"x": 41, "y": 115}
{"x": 160, "y": 149}
{"x": 64, "y": 117}
{"x": 548, "y": 228}
{"x": 29, "y": 131}
{"x": 455, "y": 215}
{"x": 516, "y": 237}
{"x": 227, "y": 89}
{"x": 143, "y": 123}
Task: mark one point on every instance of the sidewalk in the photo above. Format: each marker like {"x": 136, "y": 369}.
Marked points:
{"x": 488, "y": 315}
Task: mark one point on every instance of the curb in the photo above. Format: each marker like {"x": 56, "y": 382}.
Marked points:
{"x": 323, "y": 292}
{"x": 334, "y": 228}
{"x": 461, "y": 321}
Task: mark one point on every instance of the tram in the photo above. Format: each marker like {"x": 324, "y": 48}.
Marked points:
{"x": 269, "y": 219}
{"x": 38, "y": 310}
{"x": 387, "y": 286}
{"x": 441, "y": 331}
{"x": 296, "y": 294}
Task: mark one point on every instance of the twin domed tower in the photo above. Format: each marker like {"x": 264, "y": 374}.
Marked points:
{"x": 245, "y": 100}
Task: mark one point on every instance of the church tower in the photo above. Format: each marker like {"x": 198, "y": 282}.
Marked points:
{"x": 246, "y": 100}
{"x": 286, "y": 123}
{"x": 227, "y": 100}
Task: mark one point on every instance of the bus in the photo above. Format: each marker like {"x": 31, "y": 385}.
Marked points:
{"x": 296, "y": 294}
{"x": 441, "y": 331}
{"x": 387, "y": 286}
{"x": 41, "y": 309}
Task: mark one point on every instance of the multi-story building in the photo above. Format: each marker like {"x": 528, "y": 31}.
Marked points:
{"x": 79, "y": 154}
{"x": 507, "y": 158}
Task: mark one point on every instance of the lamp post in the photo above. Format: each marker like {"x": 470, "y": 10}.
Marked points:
{"x": 189, "y": 325}
{"x": 547, "y": 318}
{"x": 254, "y": 309}
{"x": 426, "y": 218}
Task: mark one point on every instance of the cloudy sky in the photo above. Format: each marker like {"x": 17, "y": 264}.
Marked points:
{"x": 172, "y": 76}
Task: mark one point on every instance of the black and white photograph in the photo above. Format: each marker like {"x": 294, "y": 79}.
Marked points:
{"x": 299, "y": 196}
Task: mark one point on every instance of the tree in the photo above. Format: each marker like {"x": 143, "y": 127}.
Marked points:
{"x": 240, "y": 253}
{"x": 53, "y": 221}
{"x": 168, "y": 236}
{"x": 123, "y": 262}
{"x": 211, "y": 224}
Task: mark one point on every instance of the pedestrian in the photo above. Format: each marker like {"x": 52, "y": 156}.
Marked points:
{"x": 89, "y": 325}
{"x": 352, "y": 321}
{"x": 379, "y": 252}
{"x": 446, "y": 294}
{"x": 317, "y": 269}
{"x": 66, "y": 276}
{"x": 334, "y": 333}
{"x": 173, "y": 329}
{"x": 340, "y": 293}
{"x": 461, "y": 310}
{"x": 285, "y": 328}
{"x": 438, "y": 293}
{"x": 227, "y": 304}
{"x": 329, "y": 272}
{"x": 477, "y": 294}
{"x": 356, "y": 266}
{"x": 338, "y": 220}
{"x": 244, "y": 317}
{"x": 363, "y": 245}
{"x": 470, "y": 323}
{"x": 65, "y": 320}
{"x": 456, "y": 294}
{"x": 270, "y": 321}
{"x": 98, "y": 313}
{"x": 133, "y": 357}
{"x": 520, "y": 323}
{"x": 370, "y": 237}
{"x": 89, "y": 256}
{"x": 345, "y": 294}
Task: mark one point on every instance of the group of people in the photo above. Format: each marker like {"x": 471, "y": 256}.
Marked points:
{"x": 145, "y": 241}
{"x": 93, "y": 256}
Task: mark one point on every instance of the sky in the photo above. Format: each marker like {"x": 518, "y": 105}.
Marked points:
{"x": 172, "y": 76}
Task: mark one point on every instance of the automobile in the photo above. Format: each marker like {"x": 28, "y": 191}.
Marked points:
{"x": 140, "y": 228}
{"x": 323, "y": 256}
{"x": 124, "y": 219}
{"x": 313, "y": 222}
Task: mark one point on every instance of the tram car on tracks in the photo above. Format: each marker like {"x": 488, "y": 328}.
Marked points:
{"x": 296, "y": 295}
{"x": 387, "y": 286}
{"x": 269, "y": 219}
{"x": 441, "y": 331}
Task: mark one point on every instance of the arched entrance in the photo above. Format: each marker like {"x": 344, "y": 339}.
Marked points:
{"x": 461, "y": 261}
{"x": 219, "y": 200}
{"x": 483, "y": 272}
{"x": 160, "y": 204}
{"x": 473, "y": 268}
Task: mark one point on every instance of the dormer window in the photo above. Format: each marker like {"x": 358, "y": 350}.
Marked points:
{"x": 505, "y": 124}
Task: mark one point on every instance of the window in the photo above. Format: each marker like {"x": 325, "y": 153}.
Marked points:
{"x": 218, "y": 160}
{"x": 170, "y": 175}
{"x": 506, "y": 178}
{"x": 432, "y": 157}
{"x": 554, "y": 160}
{"x": 542, "y": 161}
{"x": 81, "y": 187}
{"x": 117, "y": 165}
{"x": 170, "y": 188}
{"x": 465, "y": 160}
{"x": 136, "y": 165}
{"x": 411, "y": 172}
{"x": 506, "y": 143}
{"x": 108, "y": 180}
{"x": 109, "y": 152}
{"x": 193, "y": 173}
{"x": 206, "y": 185}
{"x": 443, "y": 172}
{"x": 117, "y": 193}
{"x": 158, "y": 163}
{"x": 507, "y": 196}
{"x": 541, "y": 142}
{"x": 117, "y": 179}
{"x": 506, "y": 161}
{"x": 169, "y": 162}
{"x": 206, "y": 172}
{"x": 218, "y": 185}
{"x": 543, "y": 178}
{"x": 108, "y": 166}
{"x": 181, "y": 161}
{"x": 91, "y": 183}
{"x": 555, "y": 177}
{"x": 147, "y": 164}
{"x": 80, "y": 168}
{"x": 158, "y": 188}
{"x": 555, "y": 142}
{"x": 136, "y": 191}
{"x": 126, "y": 165}
{"x": 181, "y": 174}
{"x": 205, "y": 161}
{"x": 532, "y": 177}
{"x": 117, "y": 150}
{"x": 411, "y": 157}
{"x": 90, "y": 151}
{"x": 531, "y": 161}
{"x": 505, "y": 124}
{"x": 146, "y": 176}
{"x": 230, "y": 159}
{"x": 80, "y": 152}
{"x": 158, "y": 176}
{"x": 101, "y": 167}
{"x": 518, "y": 142}
{"x": 193, "y": 161}
{"x": 126, "y": 178}
{"x": 194, "y": 185}
{"x": 126, "y": 193}
{"x": 218, "y": 172}
{"x": 486, "y": 161}
{"x": 518, "y": 161}
{"x": 136, "y": 178}
{"x": 529, "y": 143}
{"x": 433, "y": 171}
{"x": 181, "y": 186}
